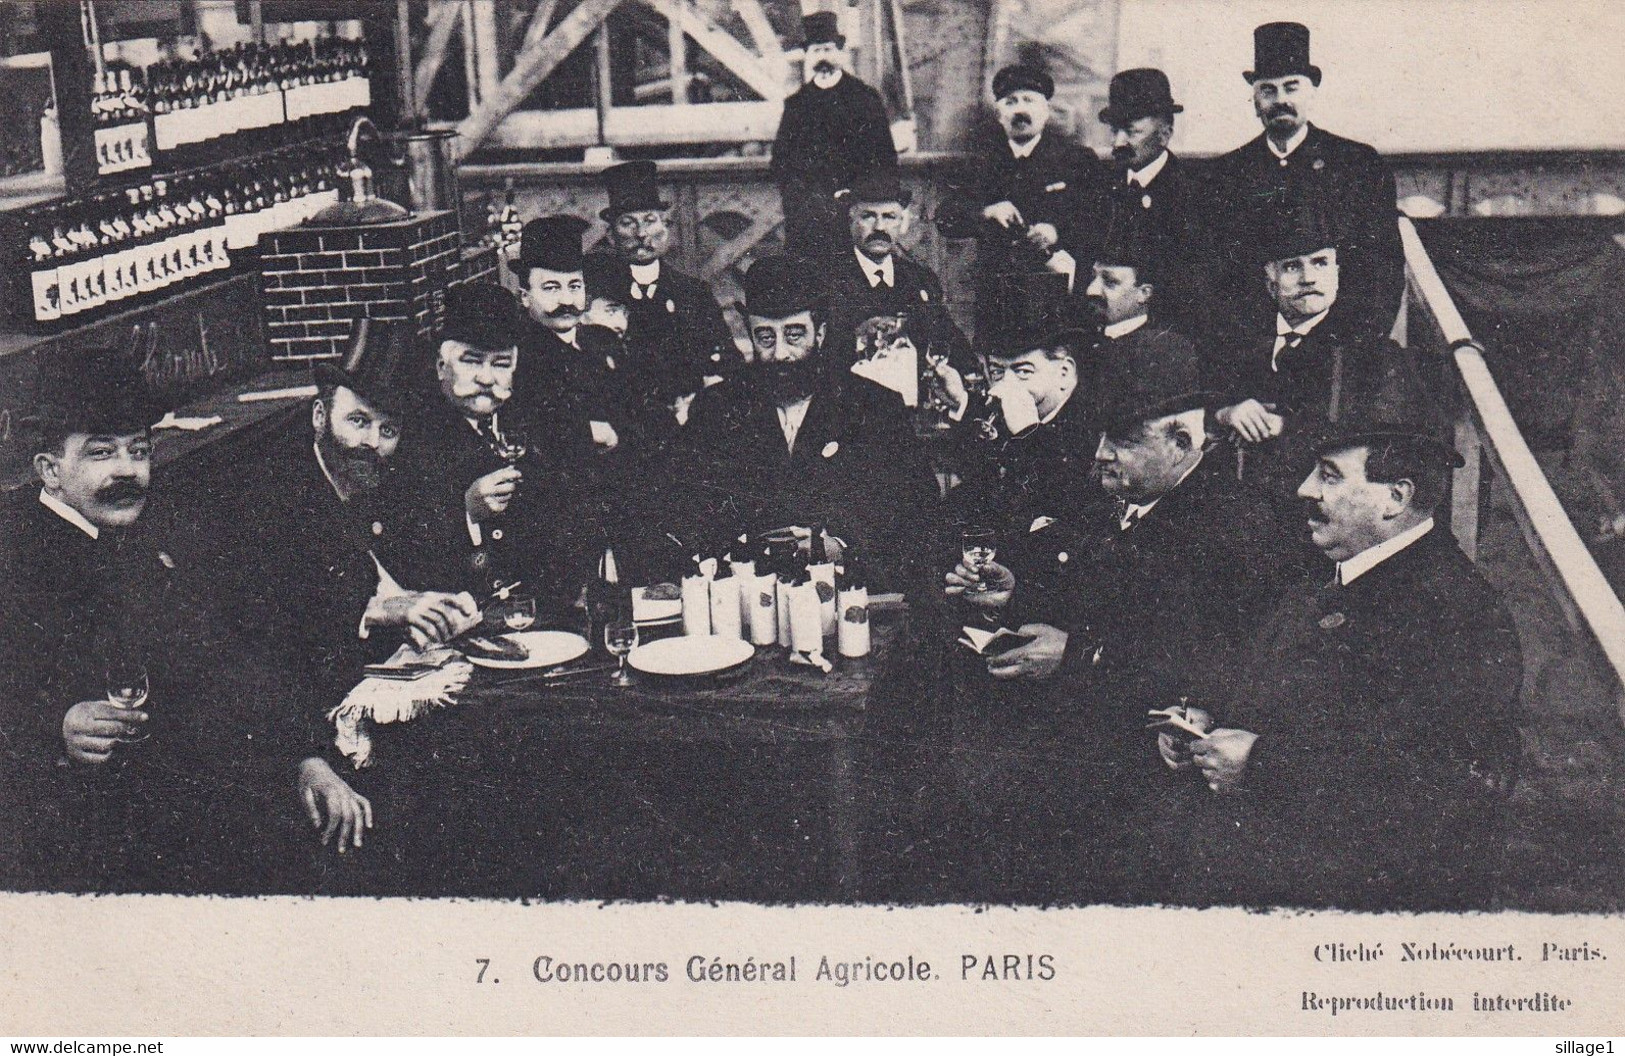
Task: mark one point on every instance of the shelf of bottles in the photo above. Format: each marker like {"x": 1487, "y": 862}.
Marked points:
{"x": 185, "y": 112}
{"x": 109, "y": 251}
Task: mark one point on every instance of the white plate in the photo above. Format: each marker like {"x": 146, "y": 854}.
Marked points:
{"x": 546, "y": 648}
{"x": 690, "y": 655}
{"x": 646, "y": 611}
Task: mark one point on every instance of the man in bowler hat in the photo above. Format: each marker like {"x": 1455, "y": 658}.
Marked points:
{"x": 1294, "y": 165}
{"x": 1030, "y": 197}
{"x": 833, "y": 131}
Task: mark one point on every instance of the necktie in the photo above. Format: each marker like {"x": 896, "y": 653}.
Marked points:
{"x": 1287, "y": 342}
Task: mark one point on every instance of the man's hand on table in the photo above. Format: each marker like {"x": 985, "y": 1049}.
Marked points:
{"x": 430, "y": 617}
{"x": 332, "y": 805}
{"x": 1038, "y": 659}
{"x": 93, "y": 728}
{"x": 1001, "y": 585}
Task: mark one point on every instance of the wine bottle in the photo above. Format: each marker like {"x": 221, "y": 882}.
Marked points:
{"x": 852, "y": 634}
{"x": 42, "y": 272}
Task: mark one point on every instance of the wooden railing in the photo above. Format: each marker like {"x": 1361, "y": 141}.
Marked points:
{"x": 1485, "y": 430}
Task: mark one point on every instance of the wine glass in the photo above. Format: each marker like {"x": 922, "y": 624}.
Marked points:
{"x": 520, "y": 614}
{"x": 127, "y": 688}
{"x": 510, "y": 445}
{"x": 620, "y": 638}
{"x": 978, "y": 547}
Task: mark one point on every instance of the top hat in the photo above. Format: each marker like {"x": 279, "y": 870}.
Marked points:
{"x": 1152, "y": 374}
{"x": 778, "y": 287}
{"x": 374, "y": 366}
{"x": 98, "y": 392}
{"x": 551, "y": 242}
{"x": 1281, "y": 49}
{"x": 1138, "y": 93}
{"x": 1128, "y": 241}
{"x": 877, "y": 185}
{"x": 1019, "y": 77}
{"x": 483, "y": 315}
{"x": 821, "y": 27}
{"x": 632, "y": 189}
{"x": 1295, "y": 231}
{"x": 1400, "y": 409}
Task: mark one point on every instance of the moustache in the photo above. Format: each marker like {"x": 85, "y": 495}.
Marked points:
{"x": 121, "y": 491}
{"x": 823, "y": 66}
{"x": 1021, "y": 120}
{"x": 1124, "y": 153}
{"x": 564, "y": 311}
{"x": 499, "y": 393}
{"x": 1281, "y": 110}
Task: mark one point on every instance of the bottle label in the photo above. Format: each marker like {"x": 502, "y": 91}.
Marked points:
{"x": 47, "y": 297}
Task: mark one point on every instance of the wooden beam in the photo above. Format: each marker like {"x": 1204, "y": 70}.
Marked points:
{"x": 677, "y": 47}
{"x": 485, "y": 44}
{"x": 540, "y": 20}
{"x": 603, "y": 79}
{"x": 531, "y": 67}
{"x": 443, "y": 22}
{"x": 631, "y": 126}
{"x": 764, "y": 38}
{"x": 722, "y": 46}
{"x": 728, "y": 253}
{"x": 471, "y": 77}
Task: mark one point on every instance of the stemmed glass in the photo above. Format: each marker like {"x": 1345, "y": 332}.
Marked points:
{"x": 620, "y": 638}
{"x": 520, "y": 614}
{"x": 127, "y": 688}
{"x": 510, "y": 445}
{"x": 978, "y": 547}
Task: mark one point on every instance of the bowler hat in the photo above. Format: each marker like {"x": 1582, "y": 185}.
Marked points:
{"x": 374, "y": 366}
{"x": 1151, "y": 375}
{"x": 551, "y": 242}
{"x": 877, "y": 185}
{"x": 821, "y": 27}
{"x": 1400, "y": 409}
{"x": 1281, "y": 49}
{"x": 1295, "y": 231}
{"x": 1138, "y": 93}
{"x": 632, "y": 189}
{"x": 483, "y": 315}
{"x": 1128, "y": 241}
{"x": 97, "y": 391}
{"x": 1021, "y": 77}
{"x": 777, "y": 287}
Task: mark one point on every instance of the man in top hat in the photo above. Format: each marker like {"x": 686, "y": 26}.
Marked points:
{"x": 142, "y": 743}
{"x": 1368, "y": 764}
{"x": 1031, "y": 198}
{"x": 834, "y": 130}
{"x": 298, "y": 549}
{"x": 572, "y": 372}
{"x": 794, "y": 440}
{"x": 878, "y": 280}
{"x": 1294, "y": 165}
{"x": 1146, "y": 599}
{"x": 676, "y": 336}
{"x": 487, "y": 496}
{"x": 1162, "y": 191}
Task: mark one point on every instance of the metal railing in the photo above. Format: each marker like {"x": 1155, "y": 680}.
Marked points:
{"x": 1486, "y": 430}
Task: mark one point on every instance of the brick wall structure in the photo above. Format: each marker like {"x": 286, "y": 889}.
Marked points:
{"x": 316, "y": 280}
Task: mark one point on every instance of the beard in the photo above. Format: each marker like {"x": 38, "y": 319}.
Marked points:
{"x": 361, "y": 468}
{"x": 787, "y": 381}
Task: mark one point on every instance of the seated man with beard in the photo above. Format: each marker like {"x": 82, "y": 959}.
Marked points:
{"x": 485, "y": 498}
{"x": 795, "y": 441}
{"x": 297, "y": 554}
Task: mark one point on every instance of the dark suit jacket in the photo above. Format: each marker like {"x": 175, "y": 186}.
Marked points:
{"x": 674, "y": 340}
{"x": 1374, "y": 704}
{"x": 540, "y": 540}
{"x": 826, "y": 139}
{"x": 1174, "y": 214}
{"x": 916, "y": 293}
{"x": 1008, "y": 481}
{"x": 174, "y": 812}
{"x": 857, "y": 467}
{"x": 1060, "y": 183}
{"x": 1348, "y": 183}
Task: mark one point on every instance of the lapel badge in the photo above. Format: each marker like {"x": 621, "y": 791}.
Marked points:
{"x": 1319, "y": 163}
{"x": 670, "y": 305}
{"x": 479, "y": 560}
{"x": 496, "y": 535}
{"x": 1332, "y": 621}
{"x": 1062, "y": 557}
{"x": 924, "y": 296}
{"x": 830, "y": 448}
{"x": 377, "y": 527}
{"x": 1145, "y": 201}
{"x": 165, "y": 560}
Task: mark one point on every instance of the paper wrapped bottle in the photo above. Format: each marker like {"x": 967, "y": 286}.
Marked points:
{"x": 725, "y": 615}
{"x": 806, "y": 626}
{"x": 696, "y": 604}
{"x": 852, "y": 632}
{"x": 759, "y": 595}
{"x": 822, "y": 571}
{"x": 745, "y": 573}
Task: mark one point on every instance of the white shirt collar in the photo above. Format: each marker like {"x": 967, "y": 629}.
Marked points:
{"x": 1282, "y": 327}
{"x": 569, "y": 337}
{"x": 69, "y": 514}
{"x": 1024, "y": 150}
{"x": 646, "y": 274}
{"x": 1364, "y": 561}
{"x": 871, "y": 268}
{"x": 1292, "y": 144}
{"x": 1144, "y": 176}
{"x": 790, "y": 418}
{"x": 1124, "y": 327}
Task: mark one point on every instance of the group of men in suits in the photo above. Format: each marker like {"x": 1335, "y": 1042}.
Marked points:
{"x": 1141, "y": 436}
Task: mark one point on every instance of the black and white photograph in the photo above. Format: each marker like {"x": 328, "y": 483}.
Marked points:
{"x": 1010, "y": 454}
